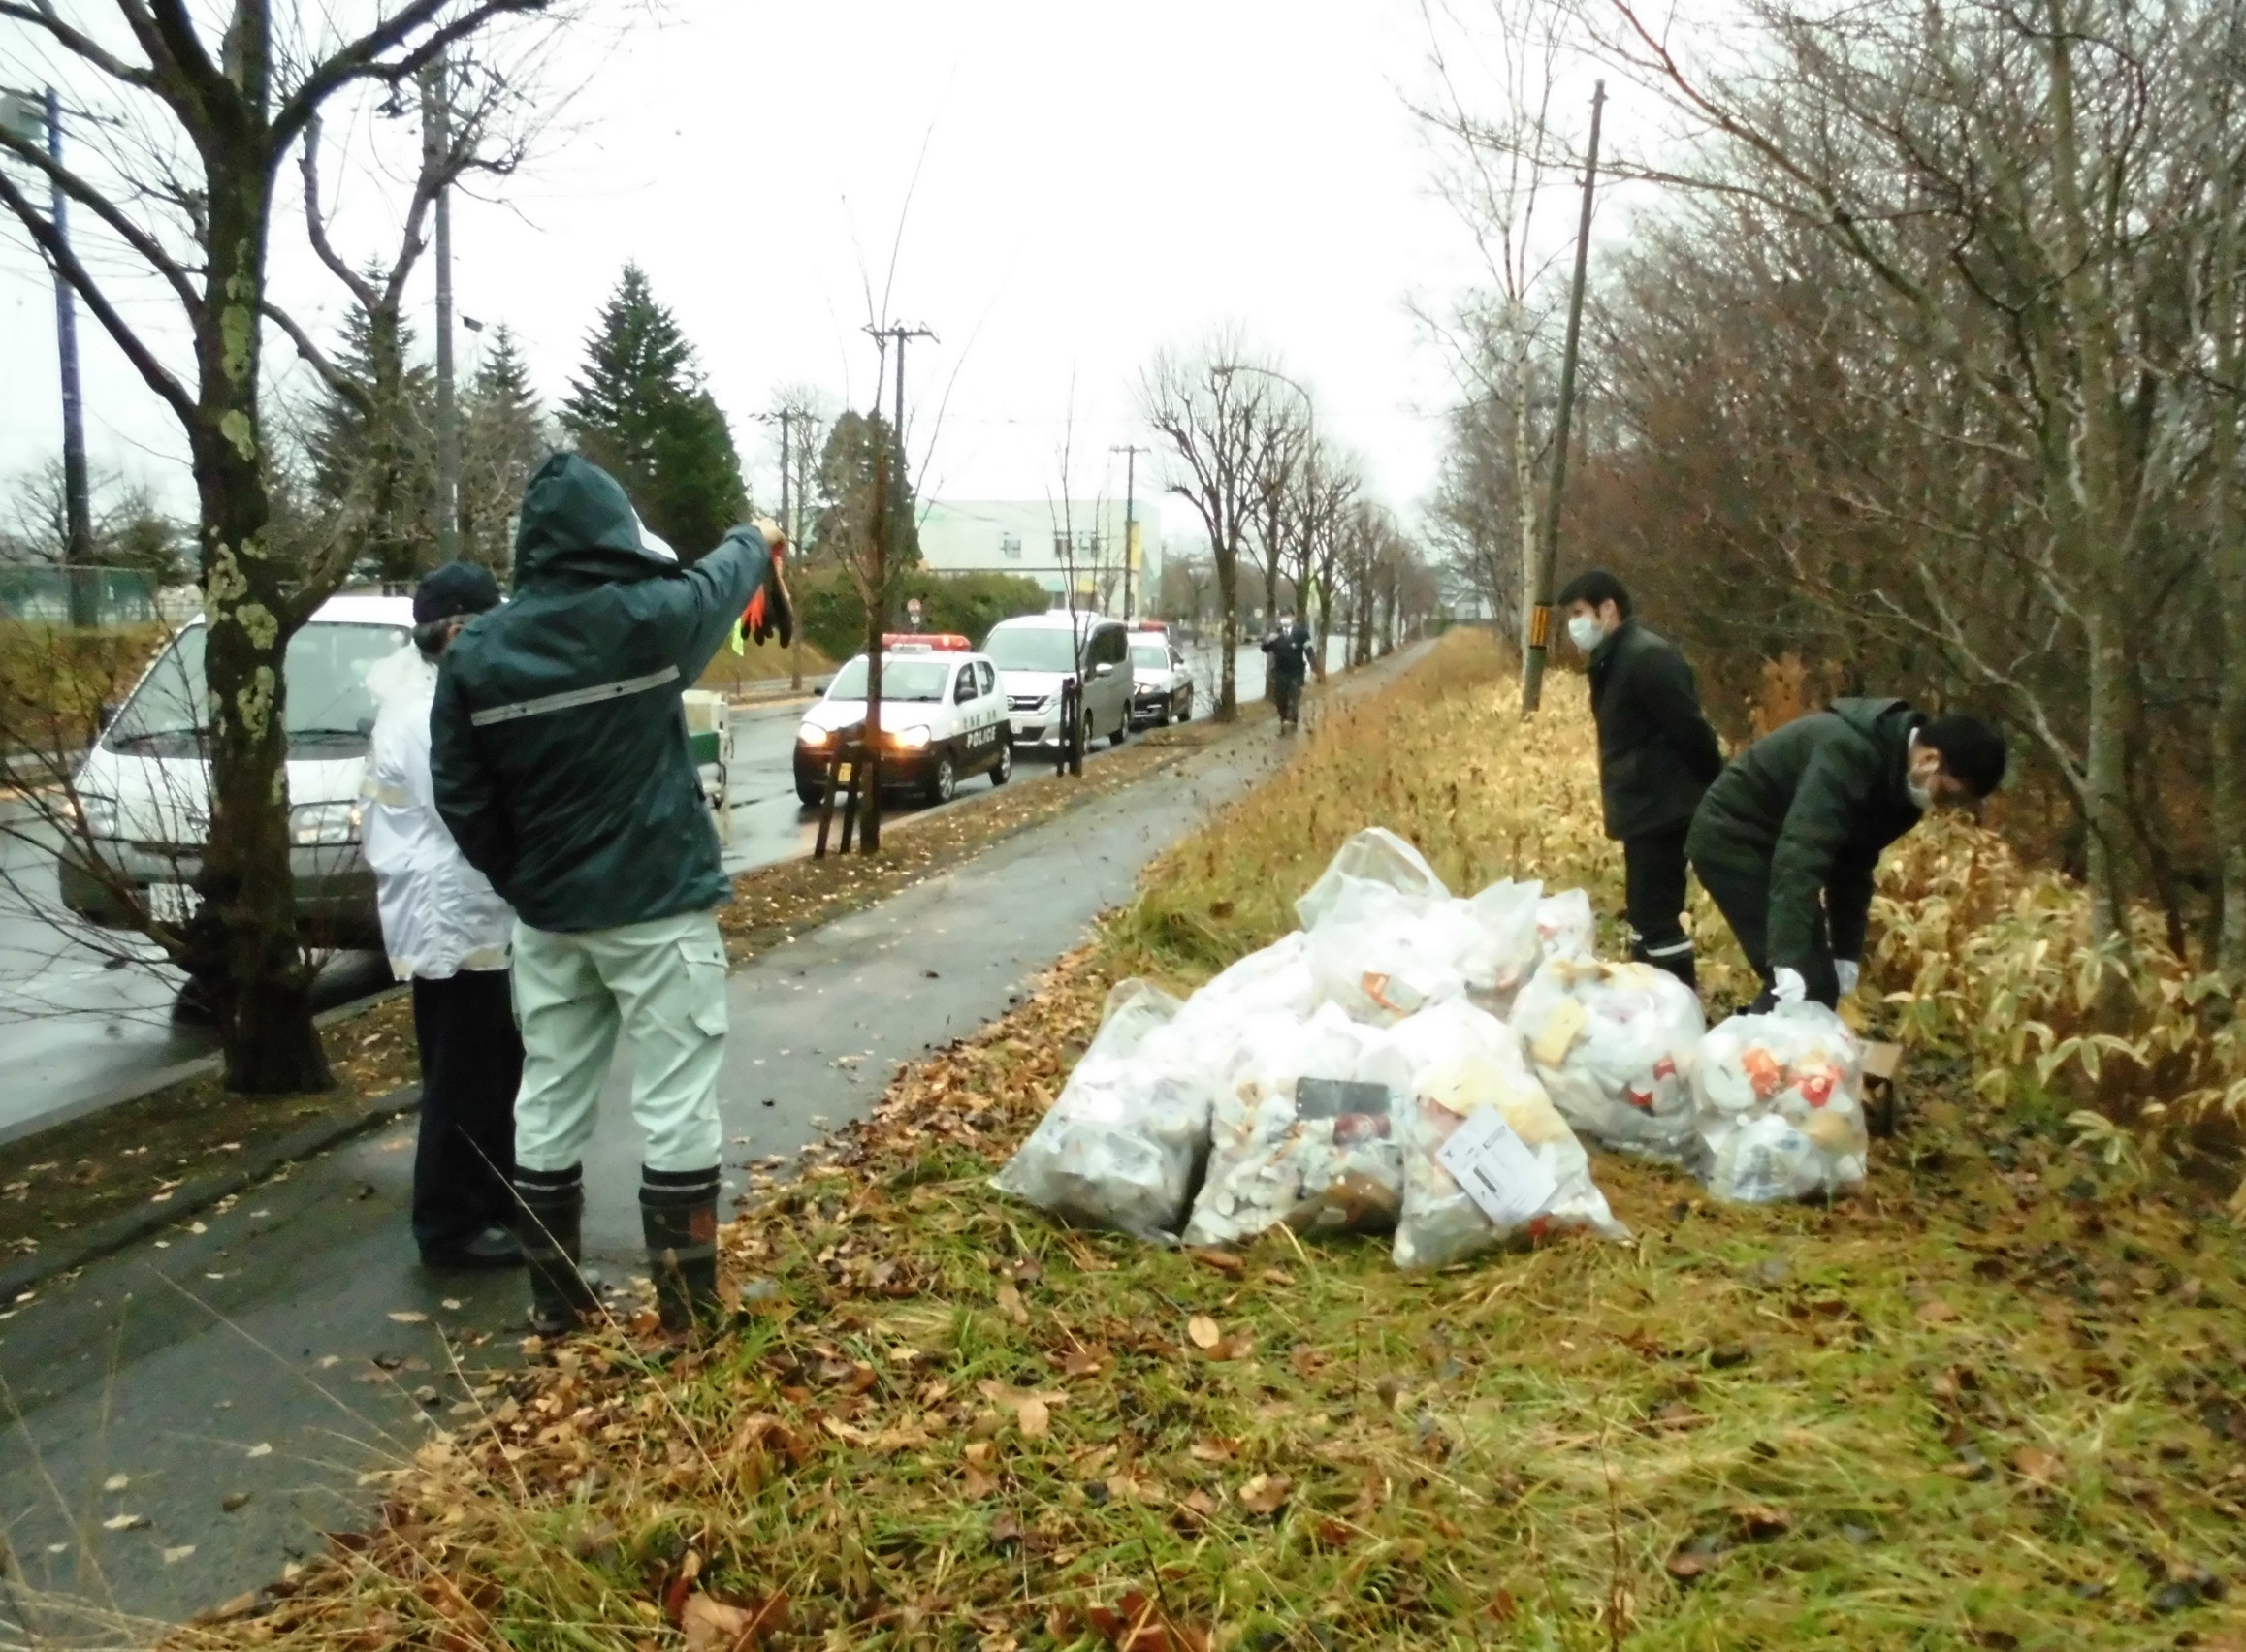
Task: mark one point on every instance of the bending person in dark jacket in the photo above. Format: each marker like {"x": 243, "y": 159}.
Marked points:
{"x": 1788, "y": 838}
{"x": 1657, "y": 755}
{"x": 559, "y": 752}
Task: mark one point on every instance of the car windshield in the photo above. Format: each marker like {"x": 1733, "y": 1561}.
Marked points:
{"x": 1031, "y": 647}
{"x": 330, "y": 712}
{"x": 1150, "y": 656}
{"x": 901, "y": 679}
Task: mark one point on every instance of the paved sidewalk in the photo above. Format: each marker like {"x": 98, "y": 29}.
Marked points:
{"x": 267, "y": 1361}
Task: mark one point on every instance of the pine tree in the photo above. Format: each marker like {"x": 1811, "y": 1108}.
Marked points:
{"x": 373, "y": 467}
{"x": 641, "y": 412}
{"x": 505, "y": 434}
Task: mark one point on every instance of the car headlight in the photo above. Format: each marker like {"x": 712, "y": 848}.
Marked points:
{"x": 811, "y": 734}
{"x": 324, "y": 825}
{"x": 913, "y": 739}
{"x": 97, "y": 817}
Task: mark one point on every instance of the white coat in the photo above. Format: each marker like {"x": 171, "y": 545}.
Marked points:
{"x": 440, "y": 914}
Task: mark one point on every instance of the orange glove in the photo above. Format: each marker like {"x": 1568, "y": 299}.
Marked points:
{"x": 769, "y": 611}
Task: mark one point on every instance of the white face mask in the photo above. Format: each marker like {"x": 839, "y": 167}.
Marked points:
{"x": 1921, "y": 799}
{"x": 1583, "y": 632}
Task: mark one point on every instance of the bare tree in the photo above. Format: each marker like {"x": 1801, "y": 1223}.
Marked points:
{"x": 200, "y": 117}
{"x": 1214, "y": 418}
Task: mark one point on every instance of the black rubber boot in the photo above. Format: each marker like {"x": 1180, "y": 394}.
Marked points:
{"x": 1680, "y": 964}
{"x": 548, "y": 1222}
{"x": 679, "y": 1211}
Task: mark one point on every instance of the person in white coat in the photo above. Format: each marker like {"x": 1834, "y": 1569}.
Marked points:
{"x": 450, "y": 935}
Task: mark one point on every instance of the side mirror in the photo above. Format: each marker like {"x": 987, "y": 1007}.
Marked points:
{"x": 1103, "y": 669}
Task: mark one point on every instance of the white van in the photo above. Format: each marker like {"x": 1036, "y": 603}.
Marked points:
{"x": 143, "y": 791}
{"x": 1036, "y": 651}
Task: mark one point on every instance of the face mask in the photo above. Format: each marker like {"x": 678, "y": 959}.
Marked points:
{"x": 1583, "y": 632}
{"x": 1921, "y": 797}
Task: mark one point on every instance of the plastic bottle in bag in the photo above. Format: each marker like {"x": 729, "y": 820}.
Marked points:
{"x": 1780, "y": 1106}
{"x": 1465, "y": 1060}
{"x": 1275, "y": 1156}
{"x": 1566, "y": 927}
{"x": 1123, "y": 1146}
{"x": 1615, "y": 1045}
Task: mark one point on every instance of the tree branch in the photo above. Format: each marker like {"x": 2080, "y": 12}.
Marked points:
{"x": 102, "y": 207}
{"x": 40, "y": 15}
{"x": 362, "y": 59}
{"x": 336, "y": 379}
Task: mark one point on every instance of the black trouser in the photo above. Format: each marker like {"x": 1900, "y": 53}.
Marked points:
{"x": 1653, "y": 891}
{"x": 1741, "y": 894}
{"x": 472, "y": 1064}
{"x": 1287, "y": 695}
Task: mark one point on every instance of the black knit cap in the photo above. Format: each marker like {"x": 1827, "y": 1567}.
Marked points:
{"x": 455, "y": 589}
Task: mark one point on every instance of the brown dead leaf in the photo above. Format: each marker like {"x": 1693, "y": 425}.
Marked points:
{"x": 1212, "y": 1449}
{"x": 2036, "y": 1466}
{"x": 239, "y": 1606}
{"x": 1199, "y": 1503}
{"x": 714, "y": 1626}
{"x": 1265, "y": 1494}
{"x": 1759, "y": 1522}
{"x": 1934, "y": 1310}
{"x": 1086, "y": 1361}
{"x": 1035, "y": 1420}
{"x": 410, "y": 1316}
{"x": 1224, "y": 1262}
{"x": 1203, "y": 1332}
{"x": 1011, "y": 1304}
{"x": 1684, "y": 1566}
{"x": 1032, "y": 1413}
{"x": 1305, "y": 1359}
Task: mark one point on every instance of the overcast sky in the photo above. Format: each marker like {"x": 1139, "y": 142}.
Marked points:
{"x": 1094, "y": 181}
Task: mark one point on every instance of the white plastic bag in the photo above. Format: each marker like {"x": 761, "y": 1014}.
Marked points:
{"x": 1391, "y": 958}
{"x": 1780, "y": 1103}
{"x": 1123, "y": 1145}
{"x": 1273, "y": 1160}
{"x": 1376, "y": 865}
{"x": 1464, "y": 1061}
{"x": 1565, "y": 926}
{"x": 1615, "y": 1045}
{"x": 1511, "y": 947}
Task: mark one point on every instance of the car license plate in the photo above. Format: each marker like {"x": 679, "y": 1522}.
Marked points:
{"x": 172, "y": 904}
{"x": 841, "y": 774}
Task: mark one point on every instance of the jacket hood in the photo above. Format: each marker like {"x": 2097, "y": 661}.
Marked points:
{"x": 577, "y": 519}
{"x": 1886, "y": 723}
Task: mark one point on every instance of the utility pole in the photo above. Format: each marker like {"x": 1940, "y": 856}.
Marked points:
{"x": 437, "y": 154}
{"x": 890, "y": 543}
{"x": 76, "y": 492}
{"x": 1130, "y": 513}
{"x": 1547, "y": 548}
{"x": 787, "y": 527}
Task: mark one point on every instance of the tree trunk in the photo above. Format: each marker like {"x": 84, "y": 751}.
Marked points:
{"x": 2229, "y": 556}
{"x": 242, "y": 946}
{"x": 1524, "y": 473}
{"x": 1228, "y": 707}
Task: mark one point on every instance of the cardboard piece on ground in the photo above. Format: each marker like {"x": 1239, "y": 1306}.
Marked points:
{"x": 1882, "y": 1063}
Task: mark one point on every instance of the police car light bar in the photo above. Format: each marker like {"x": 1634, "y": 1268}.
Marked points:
{"x": 925, "y": 642}
{"x": 1150, "y": 626}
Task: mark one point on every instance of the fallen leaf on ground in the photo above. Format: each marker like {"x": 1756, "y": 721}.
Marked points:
{"x": 1934, "y": 1310}
{"x": 713, "y": 1626}
{"x": 1760, "y": 1522}
{"x": 2035, "y": 1464}
{"x": 1203, "y": 1332}
{"x": 1685, "y": 1567}
{"x": 1265, "y": 1494}
{"x": 124, "y": 1522}
{"x": 1032, "y": 1413}
{"x": 1212, "y": 1449}
{"x": 1224, "y": 1262}
{"x": 116, "y": 1482}
{"x": 173, "y": 1556}
{"x": 263, "y": 1449}
{"x": 1010, "y": 1303}
{"x": 1085, "y": 1361}
{"x": 410, "y": 1316}
{"x": 232, "y": 1500}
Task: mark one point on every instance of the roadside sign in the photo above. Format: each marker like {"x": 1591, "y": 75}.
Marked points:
{"x": 24, "y": 118}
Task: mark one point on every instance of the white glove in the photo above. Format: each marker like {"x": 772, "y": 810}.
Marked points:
{"x": 1850, "y": 972}
{"x": 1788, "y": 987}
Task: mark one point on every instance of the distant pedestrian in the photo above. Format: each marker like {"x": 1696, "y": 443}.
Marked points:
{"x": 1656, "y": 757}
{"x": 562, "y": 766}
{"x": 447, "y": 932}
{"x": 1787, "y": 839}
{"x": 1287, "y": 653}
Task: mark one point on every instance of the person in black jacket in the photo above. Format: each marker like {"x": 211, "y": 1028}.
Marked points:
{"x": 1656, "y": 757}
{"x": 1787, "y": 840}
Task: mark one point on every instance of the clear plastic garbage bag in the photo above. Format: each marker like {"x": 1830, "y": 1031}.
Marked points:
{"x": 1302, "y": 1132}
{"x": 1124, "y": 1145}
{"x": 1780, "y": 1106}
{"x": 1375, "y": 867}
{"x": 1276, "y": 981}
{"x": 1392, "y": 958}
{"x": 1566, "y": 927}
{"x": 1511, "y": 945}
{"x": 1464, "y": 1061}
{"x": 1615, "y": 1045}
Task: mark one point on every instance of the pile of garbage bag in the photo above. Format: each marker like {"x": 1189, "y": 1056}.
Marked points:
{"x": 1780, "y": 1106}
{"x": 1417, "y": 1063}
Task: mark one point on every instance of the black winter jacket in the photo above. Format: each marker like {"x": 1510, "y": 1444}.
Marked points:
{"x": 558, "y": 742}
{"x": 1656, "y": 752}
{"x": 1814, "y": 802}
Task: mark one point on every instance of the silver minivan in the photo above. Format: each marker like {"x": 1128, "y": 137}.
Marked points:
{"x": 1036, "y": 652}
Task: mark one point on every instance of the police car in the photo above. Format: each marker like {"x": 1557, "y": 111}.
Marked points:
{"x": 1161, "y": 685}
{"x": 943, "y": 718}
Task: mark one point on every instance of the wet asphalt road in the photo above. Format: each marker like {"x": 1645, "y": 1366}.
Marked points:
{"x": 85, "y": 1015}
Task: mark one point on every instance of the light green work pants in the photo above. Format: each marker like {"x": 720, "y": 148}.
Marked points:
{"x": 662, "y": 982}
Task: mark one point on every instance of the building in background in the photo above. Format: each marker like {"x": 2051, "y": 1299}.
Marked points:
{"x": 1057, "y": 544}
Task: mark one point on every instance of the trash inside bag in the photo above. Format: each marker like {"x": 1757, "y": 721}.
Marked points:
{"x": 1367, "y": 875}
{"x": 1391, "y": 958}
{"x": 1511, "y": 947}
{"x": 1487, "y": 1157}
{"x": 1302, "y": 1132}
{"x": 1780, "y": 1103}
{"x": 1614, "y": 1044}
{"x": 1565, "y": 926}
{"x": 1124, "y": 1145}
{"x": 1276, "y": 981}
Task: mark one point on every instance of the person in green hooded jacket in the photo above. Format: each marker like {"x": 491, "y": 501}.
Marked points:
{"x": 1788, "y": 838}
{"x": 559, "y": 755}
